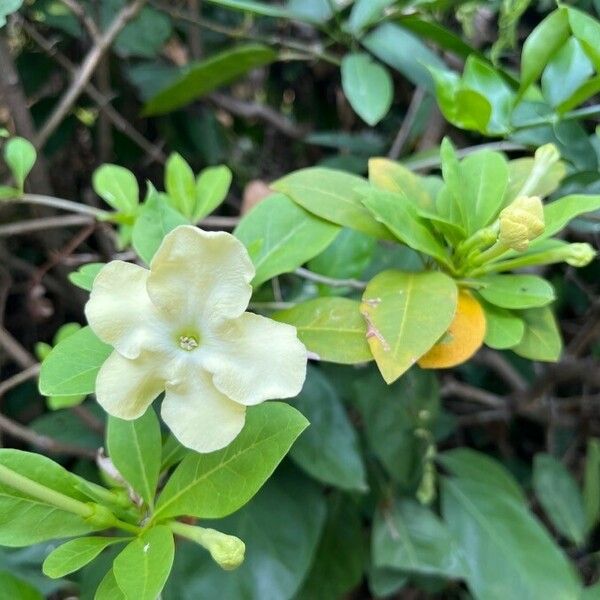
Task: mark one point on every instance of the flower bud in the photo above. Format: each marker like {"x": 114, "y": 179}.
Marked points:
{"x": 579, "y": 255}
{"x": 547, "y": 154}
{"x": 521, "y": 222}
{"x": 226, "y": 550}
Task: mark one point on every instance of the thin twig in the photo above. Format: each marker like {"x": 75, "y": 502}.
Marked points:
{"x": 467, "y": 392}
{"x": 62, "y": 204}
{"x": 42, "y": 224}
{"x": 407, "y": 123}
{"x": 317, "y": 278}
{"x": 19, "y": 354}
{"x": 86, "y": 70}
{"x": 87, "y": 22}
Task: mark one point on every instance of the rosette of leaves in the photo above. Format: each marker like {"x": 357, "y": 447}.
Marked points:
{"x": 459, "y": 290}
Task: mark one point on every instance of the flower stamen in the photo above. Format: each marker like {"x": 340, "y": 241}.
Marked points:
{"x": 188, "y": 342}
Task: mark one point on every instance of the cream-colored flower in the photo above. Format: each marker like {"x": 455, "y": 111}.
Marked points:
{"x": 180, "y": 327}
{"x": 521, "y": 222}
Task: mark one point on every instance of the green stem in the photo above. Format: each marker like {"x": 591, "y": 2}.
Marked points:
{"x": 62, "y": 204}
{"x": 548, "y": 257}
{"x": 479, "y": 240}
{"x": 580, "y": 113}
{"x": 498, "y": 249}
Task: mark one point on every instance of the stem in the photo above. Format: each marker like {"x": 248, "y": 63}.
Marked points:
{"x": 41, "y": 492}
{"x": 541, "y": 258}
{"x": 580, "y": 113}
{"x": 498, "y": 249}
{"x": 60, "y": 203}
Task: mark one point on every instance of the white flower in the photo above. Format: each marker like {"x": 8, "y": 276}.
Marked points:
{"x": 181, "y": 327}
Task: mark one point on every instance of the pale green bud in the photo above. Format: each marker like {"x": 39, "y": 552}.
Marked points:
{"x": 227, "y": 551}
{"x": 521, "y": 222}
{"x": 547, "y": 154}
{"x": 579, "y": 255}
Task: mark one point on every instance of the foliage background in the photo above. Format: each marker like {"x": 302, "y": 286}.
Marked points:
{"x": 315, "y": 531}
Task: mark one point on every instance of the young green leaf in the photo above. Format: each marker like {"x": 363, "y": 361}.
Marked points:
{"x": 135, "y": 449}
{"x": 586, "y": 29}
{"x": 557, "y": 214}
{"x": 217, "y": 484}
{"x": 411, "y": 538}
{"x": 406, "y": 314}
{"x": 212, "y": 185}
{"x": 155, "y": 220}
{"x": 333, "y": 196}
{"x": 368, "y": 87}
{"x": 20, "y": 156}
{"x": 203, "y": 77}
{"x": 541, "y": 340}
{"x": 504, "y": 545}
{"x": 332, "y": 328}
{"x": 281, "y": 236}
{"x": 180, "y": 184}
{"x": 108, "y": 588}
{"x": 118, "y": 187}
{"x": 72, "y": 366}
{"x": 75, "y": 554}
{"x": 504, "y": 329}
{"x": 364, "y": 12}
{"x": 560, "y": 497}
{"x": 85, "y": 275}
{"x": 143, "y": 567}
{"x": 328, "y": 450}
{"x": 517, "y": 291}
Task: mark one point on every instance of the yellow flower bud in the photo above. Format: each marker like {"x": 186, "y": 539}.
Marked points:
{"x": 521, "y": 222}
{"x": 226, "y": 550}
{"x": 579, "y": 255}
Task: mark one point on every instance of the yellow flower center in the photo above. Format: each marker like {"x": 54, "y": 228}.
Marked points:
{"x": 188, "y": 342}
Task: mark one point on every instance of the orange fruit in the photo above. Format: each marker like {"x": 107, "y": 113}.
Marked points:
{"x": 463, "y": 338}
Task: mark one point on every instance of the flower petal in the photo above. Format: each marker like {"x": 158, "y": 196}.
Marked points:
{"x": 125, "y": 388}
{"x": 199, "y": 416}
{"x": 257, "y": 359}
{"x": 119, "y": 310}
{"x": 201, "y": 276}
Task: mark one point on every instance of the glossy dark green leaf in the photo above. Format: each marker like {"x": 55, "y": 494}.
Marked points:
{"x": 205, "y": 76}
{"x": 328, "y": 450}
{"x": 517, "y": 291}
{"x": 412, "y": 538}
{"x": 507, "y": 551}
{"x": 560, "y": 497}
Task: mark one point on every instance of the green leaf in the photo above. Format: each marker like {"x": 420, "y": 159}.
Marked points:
{"x": 85, "y": 275}
{"x": 558, "y": 213}
{"x": 542, "y": 44}
{"x": 328, "y": 450}
{"x": 541, "y": 340}
{"x": 8, "y": 7}
{"x": 203, "y": 77}
{"x": 143, "y": 567}
{"x": 517, "y": 291}
{"x": 108, "y": 588}
{"x": 485, "y": 179}
{"x": 11, "y": 587}
{"x": 591, "y": 593}
{"x": 410, "y": 537}
{"x": 391, "y": 415}
{"x": 368, "y": 87}
{"x": 75, "y": 554}
{"x": 135, "y": 449}
{"x": 215, "y": 485}
{"x": 257, "y": 8}
{"x": 403, "y": 51}
{"x": 180, "y": 184}
{"x": 155, "y": 220}
{"x": 25, "y": 521}
{"x": 399, "y": 215}
{"x": 281, "y": 236}
{"x": 340, "y": 558}
{"x": 560, "y": 497}
{"x": 586, "y": 29}
{"x": 365, "y": 12}
{"x": 333, "y": 196}
{"x": 508, "y": 553}
{"x": 281, "y": 527}
{"x": 7, "y": 192}
{"x": 71, "y": 368}
{"x": 470, "y": 465}
{"x": 568, "y": 70}
{"x": 212, "y": 185}
{"x": 20, "y": 156}
{"x": 504, "y": 329}
{"x": 531, "y": 177}
{"x": 591, "y": 484}
{"x": 332, "y": 328}
{"x": 118, "y": 187}
{"x": 406, "y": 313}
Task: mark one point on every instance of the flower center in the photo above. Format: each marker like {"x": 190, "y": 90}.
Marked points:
{"x": 188, "y": 342}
